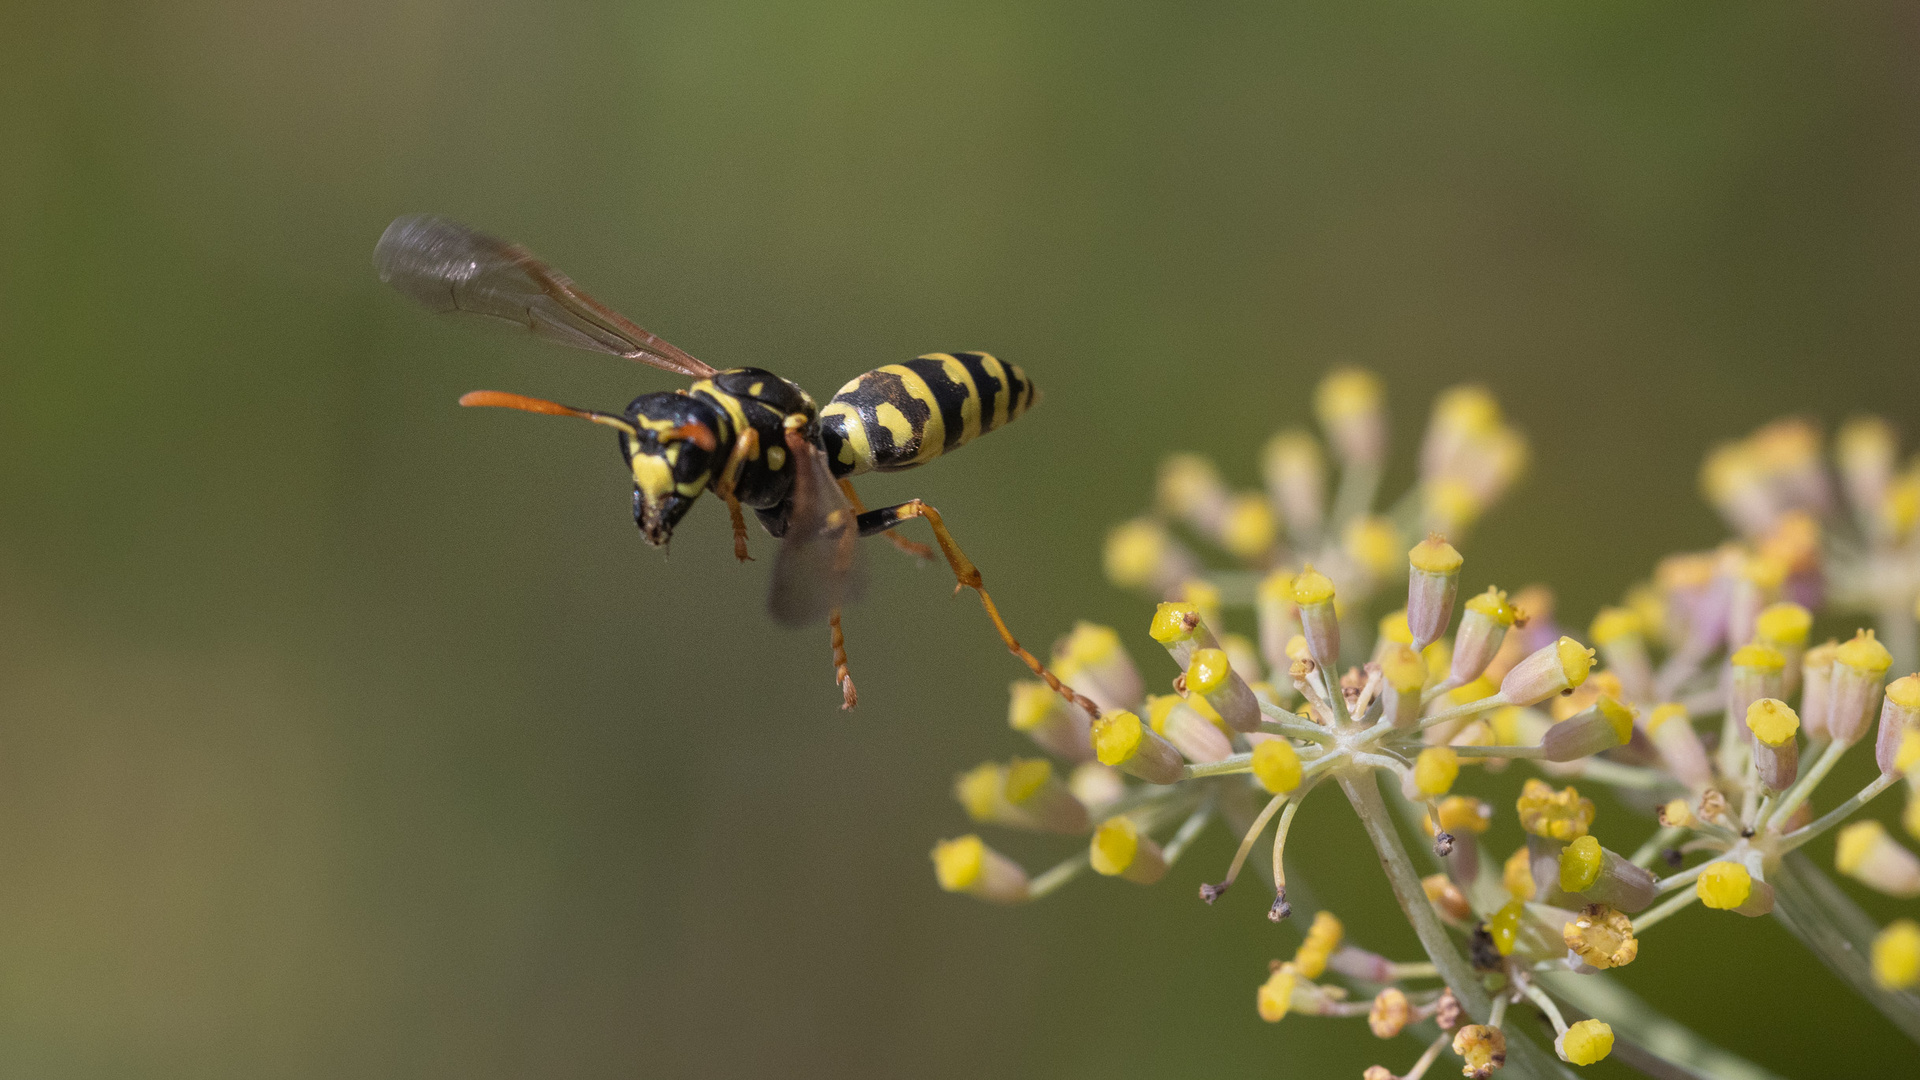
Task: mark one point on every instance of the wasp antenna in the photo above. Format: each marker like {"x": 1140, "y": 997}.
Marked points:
{"x": 499, "y": 399}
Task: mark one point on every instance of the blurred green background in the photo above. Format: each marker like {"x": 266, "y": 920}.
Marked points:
{"x": 346, "y": 733}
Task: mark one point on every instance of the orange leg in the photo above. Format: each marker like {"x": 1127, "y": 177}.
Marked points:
{"x": 913, "y": 548}
{"x": 745, "y": 447}
{"x": 840, "y": 674}
{"x": 966, "y": 575}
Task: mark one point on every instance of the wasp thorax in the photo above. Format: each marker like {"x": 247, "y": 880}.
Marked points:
{"x": 673, "y": 453}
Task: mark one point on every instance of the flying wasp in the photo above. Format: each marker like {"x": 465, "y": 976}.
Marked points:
{"x": 755, "y": 439}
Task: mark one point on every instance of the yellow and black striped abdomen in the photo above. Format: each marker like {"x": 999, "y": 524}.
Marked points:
{"x": 902, "y": 415}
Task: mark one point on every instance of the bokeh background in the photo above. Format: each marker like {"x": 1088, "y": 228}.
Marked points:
{"x": 346, "y": 733}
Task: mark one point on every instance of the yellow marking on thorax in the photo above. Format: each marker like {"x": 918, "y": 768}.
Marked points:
{"x": 776, "y": 458}
{"x": 969, "y": 409}
{"x": 754, "y": 390}
{"x": 933, "y": 435}
{"x": 727, "y": 401}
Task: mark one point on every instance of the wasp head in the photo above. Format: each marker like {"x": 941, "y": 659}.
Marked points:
{"x": 674, "y": 453}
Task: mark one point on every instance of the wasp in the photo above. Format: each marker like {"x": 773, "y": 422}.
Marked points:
{"x": 751, "y": 437}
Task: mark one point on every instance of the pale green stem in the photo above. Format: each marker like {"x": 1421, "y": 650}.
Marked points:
{"x": 1524, "y": 1058}
{"x": 1839, "y": 813}
{"x": 1354, "y": 496}
{"x": 1471, "y": 708}
{"x": 1798, "y": 793}
{"x": 1189, "y": 829}
{"x": 1287, "y": 723}
{"x": 1059, "y": 875}
{"x": 1828, "y": 922}
{"x": 1539, "y": 997}
{"x": 1628, "y": 776}
{"x": 1253, "y": 833}
{"x": 1427, "y": 1059}
{"x": 1226, "y": 766}
{"x": 1603, "y": 996}
{"x": 1499, "y": 1013}
{"x": 1643, "y": 856}
{"x": 1414, "y": 971}
{"x": 1668, "y": 884}
{"x": 1672, "y": 904}
{"x": 1901, "y": 636}
{"x": 1503, "y": 751}
{"x": 1280, "y": 844}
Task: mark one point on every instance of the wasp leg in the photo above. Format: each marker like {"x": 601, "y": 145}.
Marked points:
{"x": 745, "y": 448}
{"x": 911, "y": 547}
{"x": 849, "y": 697}
{"x": 966, "y": 575}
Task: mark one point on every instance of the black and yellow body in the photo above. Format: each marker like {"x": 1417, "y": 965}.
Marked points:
{"x": 755, "y": 439}
{"x": 902, "y": 415}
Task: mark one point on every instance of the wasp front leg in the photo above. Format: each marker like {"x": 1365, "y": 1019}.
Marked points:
{"x": 911, "y": 547}
{"x": 966, "y": 575}
{"x": 745, "y": 448}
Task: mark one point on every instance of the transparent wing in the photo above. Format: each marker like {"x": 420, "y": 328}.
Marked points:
{"x": 818, "y": 568}
{"x": 448, "y": 267}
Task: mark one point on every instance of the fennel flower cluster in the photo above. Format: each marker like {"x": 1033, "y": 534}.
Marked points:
{"x": 1683, "y": 706}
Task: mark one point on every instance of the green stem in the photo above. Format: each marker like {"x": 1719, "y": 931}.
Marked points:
{"x": 1798, "y": 793}
{"x": 1057, "y": 876}
{"x": 1603, "y": 996}
{"x": 1524, "y": 1058}
{"x": 1658, "y": 842}
{"x": 1839, "y": 813}
{"x": 1835, "y": 929}
{"x": 1672, "y": 904}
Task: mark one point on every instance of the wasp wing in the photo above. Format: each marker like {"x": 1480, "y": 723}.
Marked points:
{"x": 448, "y": 267}
{"x": 818, "y": 568}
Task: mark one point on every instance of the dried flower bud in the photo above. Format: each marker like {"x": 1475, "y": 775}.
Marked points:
{"x": 1389, "y": 1014}
{"x": 1378, "y": 1072}
{"x": 968, "y": 865}
{"x": 1483, "y": 1048}
{"x": 1602, "y": 937}
{"x": 1446, "y": 898}
{"x": 1557, "y": 815}
{"x": 1447, "y": 1012}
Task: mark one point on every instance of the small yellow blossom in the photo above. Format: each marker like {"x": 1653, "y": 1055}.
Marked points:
{"x": 1896, "y": 955}
{"x": 1724, "y": 885}
{"x": 1556, "y": 815}
{"x": 1586, "y": 1042}
{"x": 1435, "y": 770}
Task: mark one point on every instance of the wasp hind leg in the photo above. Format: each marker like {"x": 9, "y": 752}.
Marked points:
{"x": 841, "y": 676}
{"x": 967, "y": 576}
{"x": 911, "y": 547}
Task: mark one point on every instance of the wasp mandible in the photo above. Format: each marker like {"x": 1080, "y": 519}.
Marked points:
{"x": 754, "y": 438}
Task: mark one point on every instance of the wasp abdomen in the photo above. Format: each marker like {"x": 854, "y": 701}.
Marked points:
{"x": 902, "y": 415}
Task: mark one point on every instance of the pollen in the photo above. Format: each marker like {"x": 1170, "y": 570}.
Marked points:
{"x": 1675, "y": 814}
{"x": 1576, "y": 659}
{"x": 1864, "y": 654}
{"x": 1586, "y": 1042}
{"x": 1602, "y": 937}
{"x": 1322, "y": 938}
{"x": 1248, "y": 529}
{"x": 1173, "y": 622}
{"x": 1556, "y": 815}
{"x": 1312, "y": 587}
{"x": 1772, "y": 721}
{"x": 1277, "y": 766}
{"x": 1905, "y": 692}
{"x": 1896, "y": 955}
{"x": 959, "y": 863}
{"x": 1493, "y": 604}
{"x": 1275, "y": 996}
{"x": 1116, "y": 737}
{"x": 1784, "y": 623}
{"x": 1661, "y": 714}
{"x": 1580, "y": 864}
{"x": 1504, "y": 926}
{"x": 1435, "y": 556}
{"x": 1516, "y": 875}
{"x": 1134, "y": 551}
{"x": 1759, "y": 658}
{"x": 1435, "y": 770}
{"x": 1207, "y": 671}
{"x": 1725, "y": 885}
{"x": 1114, "y": 845}
{"x": 1613, "y": 624}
